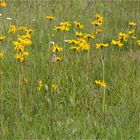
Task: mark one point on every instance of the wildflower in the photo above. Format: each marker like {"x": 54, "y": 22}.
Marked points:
{"x": 39, "y": 85}
{"x": 18, "y": 46}
{"x": 78, "y": 24}
{"x": 3, "y": 4}
{"x": 89, "y": 36}
{"x": 133, "y": 37}
{"x": 99, "y": 31}
{"x": 85, "y": 46}
{"x": 79, "y": 34}
{"x": 122, "y": 36}
{"x": 2, "y": 37}
{"x": 56, "y": 48}
{"x": 75, "y": 48}
{"x": 98, "y": 21}
{"x": 117, "y": 43}
{"x": 50, "y": 17}
{"x": 131, "y": 31}
{"x": 65, "y": 24}
{"x": 100, "y": 83}
{"x": 101, "y": 45}
{"x": 81, "y": 40}
{"x": 1, "y": 54}
{"x": 138, "y": 41}
{"x": 73, "y": 41}
{"x": 131, "y": 23}
{"x": 54, "y": 88}
{"x": 12, "y": 29}
{"x": 19, "y": 57}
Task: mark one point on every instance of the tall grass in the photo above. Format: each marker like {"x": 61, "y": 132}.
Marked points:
{"x": 76, "y": 112}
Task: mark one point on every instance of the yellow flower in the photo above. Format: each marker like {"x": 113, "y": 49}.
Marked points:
{"x": 24, "y": 40}
{"x": 57, "y": 58}
{"x": 133, "y": 37}
{"x": 131, "y": 31}
{"x": 1, "y": 54}
{"x": 18, "y": 46}
{"x": 78, "y": 24}
{"x": 75, "y": 48}
{"x": 12, "y": 29}
{"x": 88, "y": 36}
{"x": 54, "y": 88}
{"x": 79, "y": 34}
{"x": 19, "y": 57}
{"x": 101, "y": 45}
{"x": 131, "y": 23}
{"x": 50, "y": 17}
{"x": 3, "y": 4}
{"x": 2, "y": 37}
{"x": 122, "y": 36}
{"x": 138, "y": 41}
{"x": 56, "y": 48}
{"x": 25, "y": 81}
{"x": 99, "y": 31}
{"x": 39, "y": 85}
{"x": 99, "y": 17}
{"x": 73, "y": 41}
{"x": 85, "y": 46}
{"x": 65, "y": 24}
{"x": 117, "y": 43}
{"x": 100, "y": 83}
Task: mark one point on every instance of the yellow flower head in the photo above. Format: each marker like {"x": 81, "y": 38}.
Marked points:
{"x": 2, "y": 37}
{"x": 117, "y": 43}
{"x": 85, "y": 46}
{"x": 20, "y": 57}
{"x": 79, "y": 34}
{"x": 99, "y": 31}
{"x": 131, "y": 31}
{"x": 101, "y": 45}
{"x": 12, "y": 29}
{"x": 78, "y": 24}
{"x": 1, "y": 54}
{"x": 89, "y": 36}
{"x": 75, "y": 48}
{"x": 54, "y": 88}
{"x": 100, "y": 83}
{"x": 122, "y": 36}
{"x": 138, "y": 41}
{"x": 50, "y": 17}
{"x": 39, "y": 85}
{"x": 131, "y": 23}
{"x": 56, "y": 48}
{"x": 3, "y": 4}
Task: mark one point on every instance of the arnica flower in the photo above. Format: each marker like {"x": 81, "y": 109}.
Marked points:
{"x": 122, "y": 36}
{"x": 89, "y": 36}
{"x": 1, "y": 55}
{"x": 54, "y": 88}
{"x": 99, "y": 31}
{"x": 85, "y": 46}
{"x": 79, "y": 34}
{"x": 18, "y": 46}
{"x": 131, "y": 23}
{"x": 50, "y": 17}
{"x": 12, "y": 29}
{"x": 100, "y": 83}
{"x": 39, "y": 85}
{"x": 73, "y": 41}
{"x": 3, "y": 4}
{"x": 117, "y": 43}
{"x": 101, "y": 45}
{"x": 138, "y": 41}
{"x": 75, "y": 48}
{"x": 131, "y": 31}
{"x": 2, "y": 37}
{"x": 133, "y": 37}
{"x": 21, "y": 56}
{"x": 56, "y": 48}
{"x": 78, "y": 24}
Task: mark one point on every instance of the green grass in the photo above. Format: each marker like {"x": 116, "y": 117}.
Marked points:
{"x": 77, "y": 111}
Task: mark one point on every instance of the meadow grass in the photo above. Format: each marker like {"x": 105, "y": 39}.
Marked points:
{"x": 77, "y": 111}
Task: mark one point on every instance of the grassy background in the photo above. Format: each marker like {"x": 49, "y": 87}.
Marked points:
{"x": 76, "y": 112}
